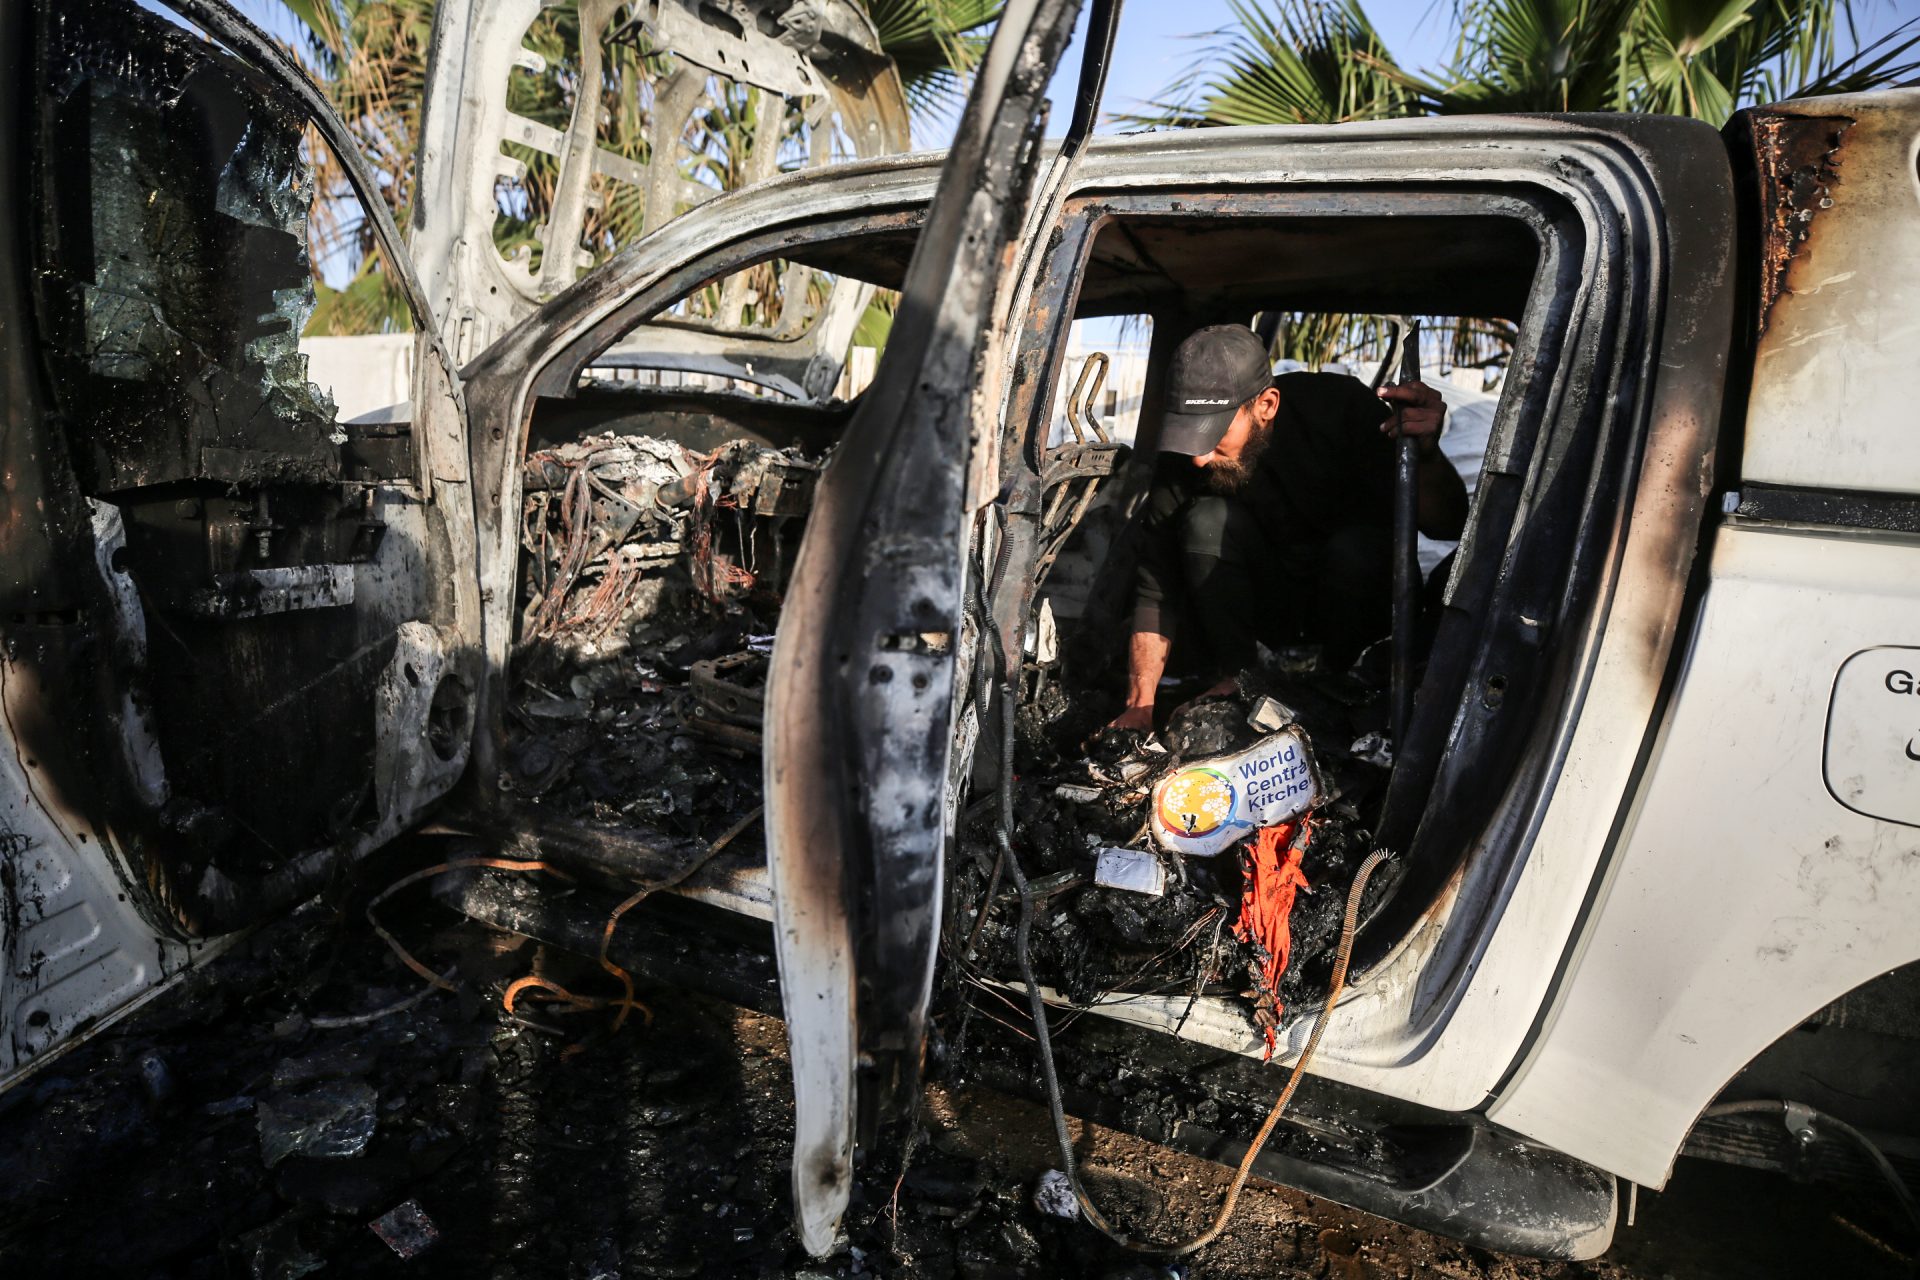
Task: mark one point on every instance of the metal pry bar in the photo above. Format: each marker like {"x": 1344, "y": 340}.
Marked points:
{"x": 1406, "y": 564}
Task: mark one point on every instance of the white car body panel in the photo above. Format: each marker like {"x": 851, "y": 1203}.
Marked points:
{"x": 1833, "y": 388}
{"x": 1751, "y": 884}
{"x": 1743, "y": 896}
{"x": 76, "y": 954}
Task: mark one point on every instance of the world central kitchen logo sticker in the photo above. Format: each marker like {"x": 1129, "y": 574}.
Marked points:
{"x": 1206, "y": 806}
{"x": 1196, "y": 801}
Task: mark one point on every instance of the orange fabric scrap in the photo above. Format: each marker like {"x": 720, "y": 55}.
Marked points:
{"x": 1270, "y": 878}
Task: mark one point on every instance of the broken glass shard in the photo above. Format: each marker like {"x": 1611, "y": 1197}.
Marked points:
{"x": 333, "y": 1119}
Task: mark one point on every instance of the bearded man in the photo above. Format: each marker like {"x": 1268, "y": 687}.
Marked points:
{"x": 1271, "y": 515}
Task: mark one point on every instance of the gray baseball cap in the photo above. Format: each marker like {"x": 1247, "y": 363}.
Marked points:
{"x": 1215, "y": 371}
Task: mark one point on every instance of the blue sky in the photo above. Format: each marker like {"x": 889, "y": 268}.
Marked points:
{"x": 1161, "y": 38}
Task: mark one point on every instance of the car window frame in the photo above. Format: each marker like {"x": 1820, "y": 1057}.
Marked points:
{"x": 560, "y": 368}
{"x": 1528, "y": 436}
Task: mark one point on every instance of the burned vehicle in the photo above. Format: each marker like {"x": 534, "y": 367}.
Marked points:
{"x": 802, "y": 676}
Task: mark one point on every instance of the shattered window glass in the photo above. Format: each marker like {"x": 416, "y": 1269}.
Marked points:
{"x": 175, "y": 189}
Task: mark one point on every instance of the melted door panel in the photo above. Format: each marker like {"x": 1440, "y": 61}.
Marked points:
{"x": 860, "y": 698}
{"x": 249, "y": 630}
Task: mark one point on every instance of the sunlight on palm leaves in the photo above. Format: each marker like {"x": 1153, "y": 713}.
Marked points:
{"x": 1323, "y": 62}
{"x": 1291, "y": 63}
{"x": 1700, "y": 58}
{"x": 371, "y": 56}
{"x": 1531, "y": 55}
{"x": 935, "y": 45}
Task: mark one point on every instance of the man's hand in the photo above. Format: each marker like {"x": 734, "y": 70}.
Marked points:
{"x": 1146, "y": 662}
{"x": 1441, "y": 505}
{"x": 1420, "y": 412}
{"x": 1141, "y": 718}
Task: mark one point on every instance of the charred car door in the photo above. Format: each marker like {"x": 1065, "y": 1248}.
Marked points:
{"x": 1555, "y": 642}
{"x": 241, "y": 634}
{"x": 862, "y": 685}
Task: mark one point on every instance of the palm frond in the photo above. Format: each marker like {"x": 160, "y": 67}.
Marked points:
{"x": 934, "y": 45}
{"x": 1534, "y": 55}
{"x": 1700, "y": 58}
{"x": 1287, "y": 62}
{"x": 1320, "y": 338}
{"x": 371, "y": 302}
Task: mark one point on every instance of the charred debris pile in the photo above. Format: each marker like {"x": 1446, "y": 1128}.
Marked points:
{"x": 651, "y": 584}
{"x": 650, "y": 591}
{"x": 297, "y": 1107}
{"x": 1125, "y": 911}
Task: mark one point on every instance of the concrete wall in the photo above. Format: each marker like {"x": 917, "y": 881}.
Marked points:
{"x": 362, "y": 374}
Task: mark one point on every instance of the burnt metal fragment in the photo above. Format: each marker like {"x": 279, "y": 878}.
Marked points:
{"x": 407, "y": 1229}
{"x": 256, "y": 593}
{"x": 1797, "y": 160}
{"x": 724, "y": 700}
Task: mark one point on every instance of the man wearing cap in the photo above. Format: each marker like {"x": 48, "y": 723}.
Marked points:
{"x": 1271, "y": 514}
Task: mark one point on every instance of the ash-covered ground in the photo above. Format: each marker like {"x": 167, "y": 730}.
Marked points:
{"x": 233, "y": 1128}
